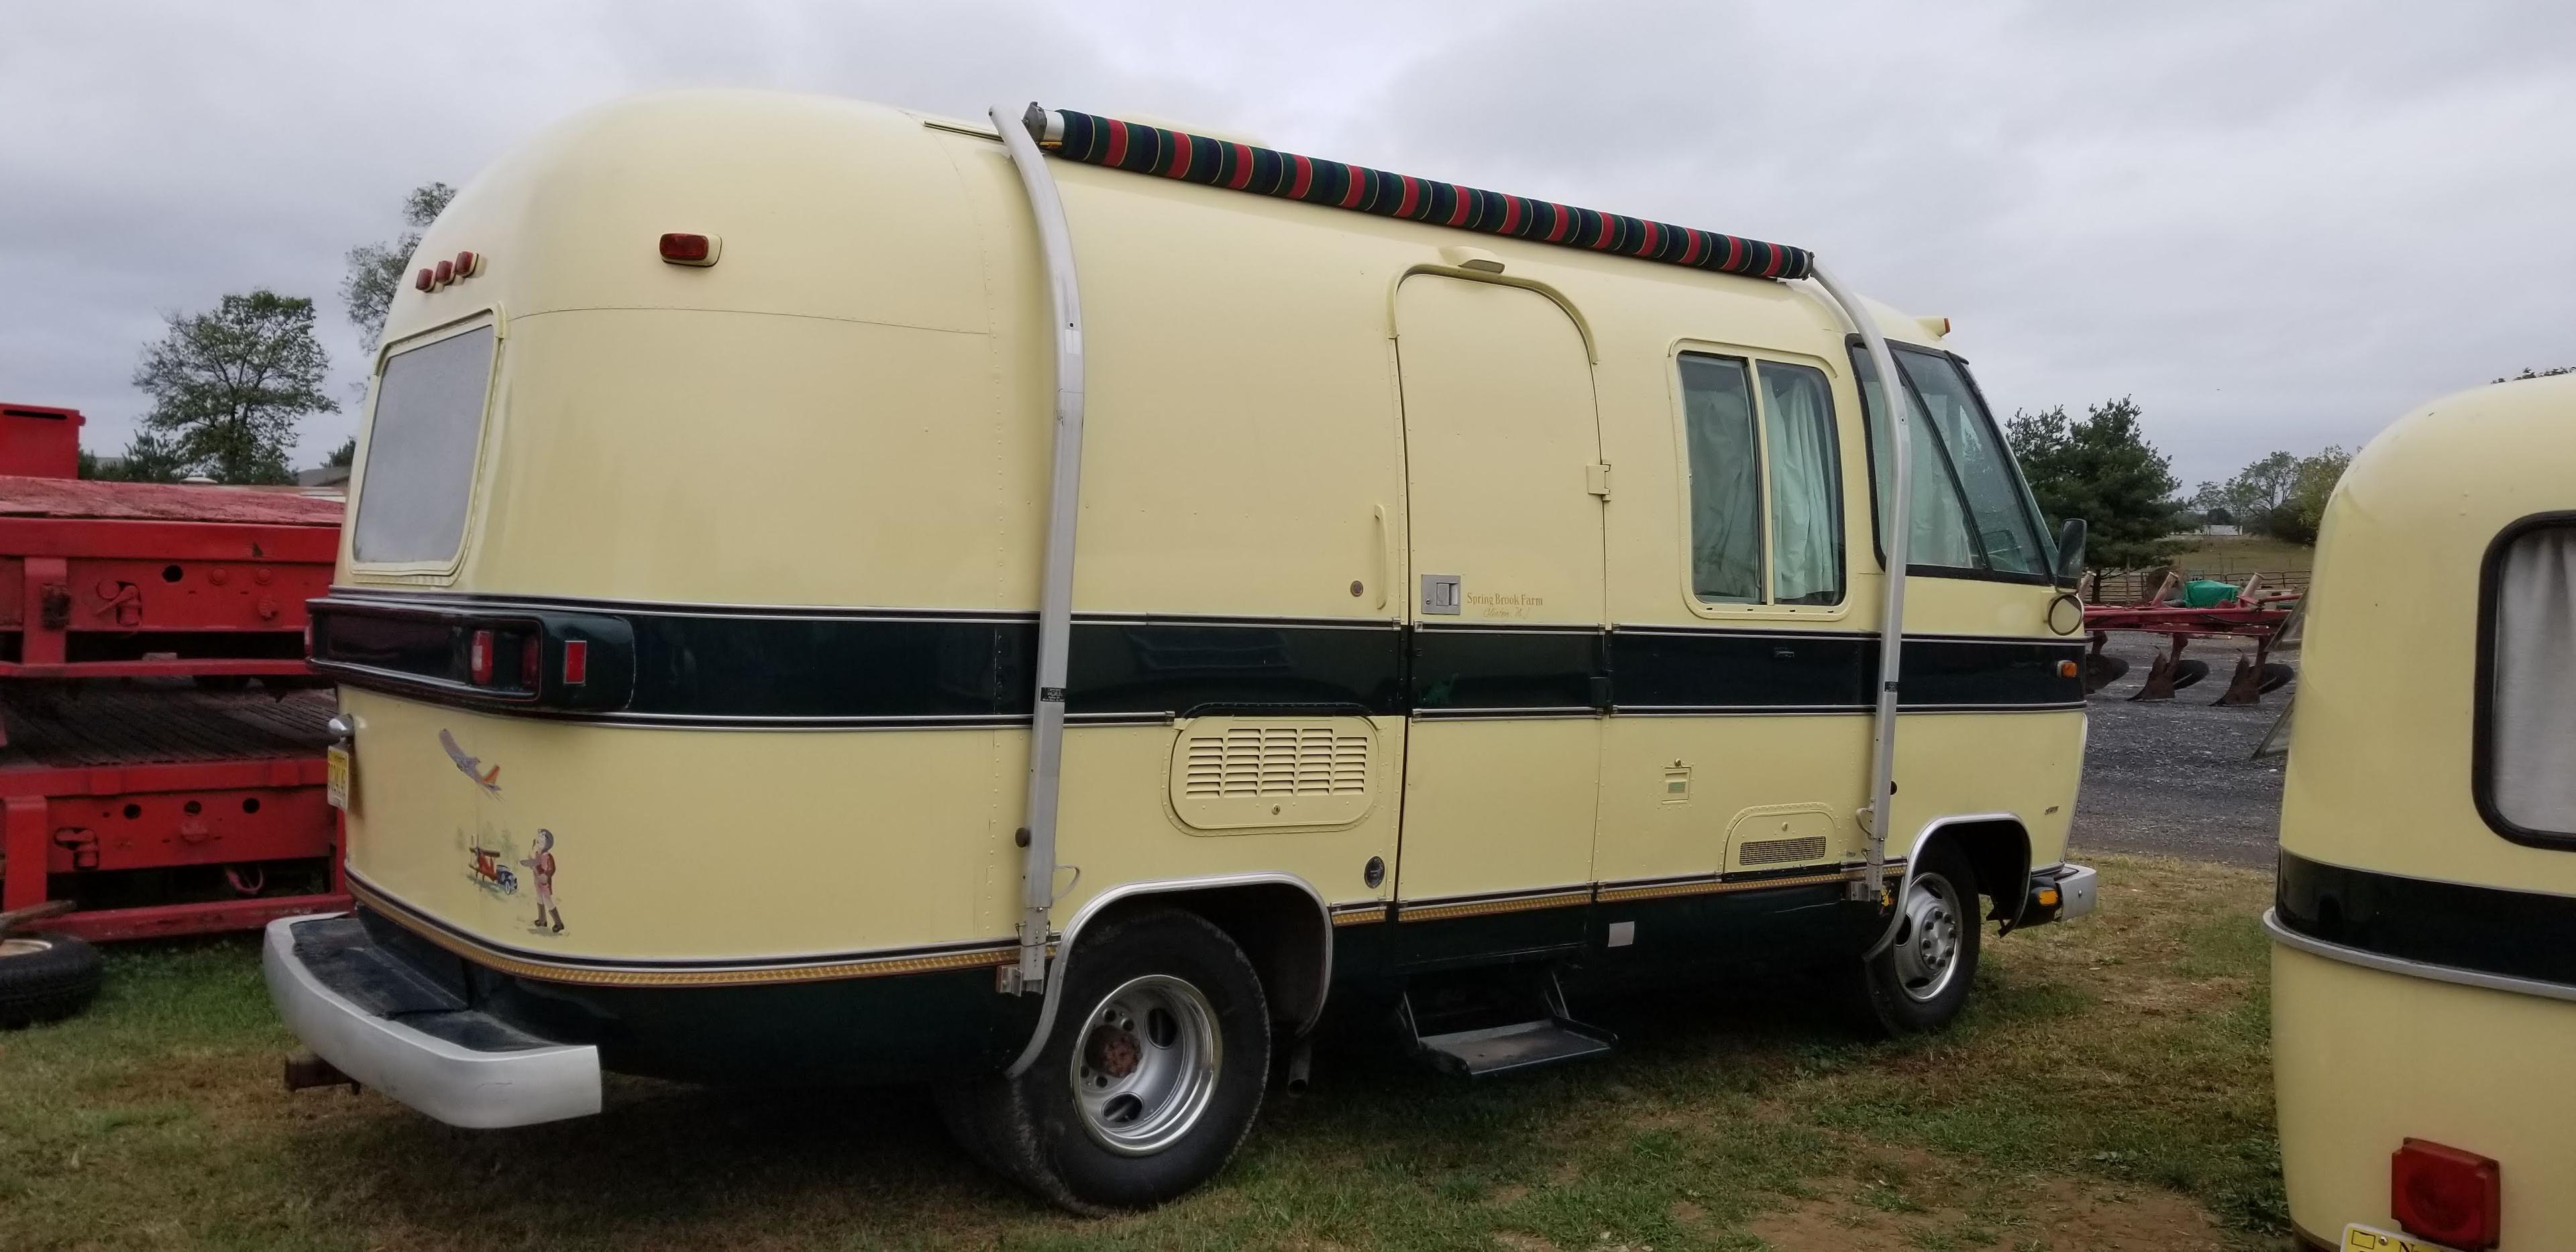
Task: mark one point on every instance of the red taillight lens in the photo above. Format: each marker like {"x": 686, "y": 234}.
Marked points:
{"x": 465, "y": 264}
{"x": 576, "y": 662}
{"x": 446, "y": 272}
{"x": 2446, "y": 1195}
{"x": 684, "y": 249}
{"x": 478, "y": 658}
{"x": 425, "y": 280}
{"x": 532, "y": 651}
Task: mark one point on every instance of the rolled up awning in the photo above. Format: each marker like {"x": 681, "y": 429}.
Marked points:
{"x": 1096, "y": 140}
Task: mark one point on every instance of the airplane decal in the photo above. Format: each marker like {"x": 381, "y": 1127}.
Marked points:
{"x": 488, "y": 780}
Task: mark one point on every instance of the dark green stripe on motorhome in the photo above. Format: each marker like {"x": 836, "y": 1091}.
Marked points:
{"x": 745, "y": 666}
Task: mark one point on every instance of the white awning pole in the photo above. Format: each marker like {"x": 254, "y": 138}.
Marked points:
{"x": 1899, "y": 511}
{"x": 1064, "y": 501}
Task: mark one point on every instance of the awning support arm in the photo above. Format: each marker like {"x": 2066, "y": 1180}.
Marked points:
{"x": 1899, "y": 400}
{"x": 1055, "y": 589}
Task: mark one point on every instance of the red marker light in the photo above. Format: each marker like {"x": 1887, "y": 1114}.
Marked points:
{"x": 532, "y": 651}
{"x": 576, "y": 662}
{"x": 425, "y": 279}
{"x": 465, "y": 262}
{"x": 685, "y": 249}
{"x": 478, "y": 658}
{"x": 2446, "y": 1195}
{"x": 446, "y": 272}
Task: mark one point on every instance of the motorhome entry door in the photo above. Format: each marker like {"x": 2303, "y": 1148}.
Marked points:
{"x": 1505, "y": 495}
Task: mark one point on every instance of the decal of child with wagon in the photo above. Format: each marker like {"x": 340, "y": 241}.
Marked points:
{"x": 541, "y": 865}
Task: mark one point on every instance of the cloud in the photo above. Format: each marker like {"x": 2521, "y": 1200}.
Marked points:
{"x": 2275, "y": 225}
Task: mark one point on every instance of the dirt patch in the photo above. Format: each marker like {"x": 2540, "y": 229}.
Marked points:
{"x": 2059, "y": 1214}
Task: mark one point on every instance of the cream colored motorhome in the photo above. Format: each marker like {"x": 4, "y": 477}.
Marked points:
{"x": 2424, "y": 935}
{"x": 1046, "y": 606}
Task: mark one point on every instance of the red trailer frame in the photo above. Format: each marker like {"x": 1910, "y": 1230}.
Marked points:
{"x": 168, "y": 584}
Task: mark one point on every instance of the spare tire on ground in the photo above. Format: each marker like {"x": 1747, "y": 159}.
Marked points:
{"x": 44, "y": 977}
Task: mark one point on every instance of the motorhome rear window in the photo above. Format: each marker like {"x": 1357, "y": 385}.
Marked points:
{"x": 419, "y": 475}
{"x": 2528, "y": 704}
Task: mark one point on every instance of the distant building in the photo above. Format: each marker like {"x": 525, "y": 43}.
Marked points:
{"x": 323, "y": 476}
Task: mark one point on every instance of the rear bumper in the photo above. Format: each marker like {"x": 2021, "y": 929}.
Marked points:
{"x": 2060, "y": 894}
{"x": 358, "y": 1008}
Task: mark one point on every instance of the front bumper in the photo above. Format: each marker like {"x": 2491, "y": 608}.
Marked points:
{"x": 2061, "y": 894}
{"x": 360, "y": 1008}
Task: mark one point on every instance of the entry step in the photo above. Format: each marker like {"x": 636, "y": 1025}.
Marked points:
{"x": 1518, "y": 1046}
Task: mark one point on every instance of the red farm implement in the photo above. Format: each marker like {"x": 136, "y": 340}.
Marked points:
{"x": 2247, "y": 612}
{"x": 142, "y": 780}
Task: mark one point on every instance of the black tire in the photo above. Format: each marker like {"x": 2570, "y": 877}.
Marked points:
{"x": 45, "y": 977}
{"x": 1033, "y": 1130}
{"x": 1893, "y": 998}
{"x": 2189, "y": 670}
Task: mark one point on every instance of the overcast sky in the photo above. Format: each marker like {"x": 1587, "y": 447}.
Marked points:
{"x": 2274, "y": 225}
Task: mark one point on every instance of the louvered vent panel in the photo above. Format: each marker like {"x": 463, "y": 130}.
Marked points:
{"x": 1231, "y": 774}
{"x": 1783, "y": 851}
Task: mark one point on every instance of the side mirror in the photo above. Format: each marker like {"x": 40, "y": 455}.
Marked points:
{"x": 2070, "y": 552}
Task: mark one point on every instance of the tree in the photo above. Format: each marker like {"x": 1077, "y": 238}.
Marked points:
{"x": 2254, "y": 492}
{"x": 2298, "y": 517}
{"x": 345, "y": 454}
{"x": 2101, "y": 468}
{"x": 228, "y": 387}
{"x": 376, "y": 269}
{"x": 2528, "y": 373}
{"x": 149, "y": 458}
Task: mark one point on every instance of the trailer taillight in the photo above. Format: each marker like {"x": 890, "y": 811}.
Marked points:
{"x": 689, "y": 249}
{"x": 478, "y": 658}
{"x": 532, "y": 651}
{"x": 426, "y": 279}
{"x": 2446, "y": 1195}
{"x": 576, "y": 662}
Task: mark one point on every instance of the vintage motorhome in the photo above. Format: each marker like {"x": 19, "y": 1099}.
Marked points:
{"x": 1047, "y": 606}
{"x": 2423, "y": 978}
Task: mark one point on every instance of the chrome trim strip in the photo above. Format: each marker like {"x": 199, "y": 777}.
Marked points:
{"x": 2413, "y": 969}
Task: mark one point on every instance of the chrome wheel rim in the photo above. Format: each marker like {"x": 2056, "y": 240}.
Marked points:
{"x": 23, "y": 947}
{"x": 1145, "y": 1065}
{"x": 1927, "y": 951}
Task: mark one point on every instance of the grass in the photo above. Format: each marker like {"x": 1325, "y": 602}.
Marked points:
{"x": 2111, "y": 1078}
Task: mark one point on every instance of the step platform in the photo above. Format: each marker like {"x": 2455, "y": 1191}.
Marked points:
{"x": 1478, "y": 1024}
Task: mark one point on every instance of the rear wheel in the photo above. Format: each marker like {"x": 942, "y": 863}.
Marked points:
{"x": 1921, "y": 981}
{"x": 1149, "y": 1078}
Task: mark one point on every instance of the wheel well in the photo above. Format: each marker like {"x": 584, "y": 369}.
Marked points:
{"x": 1280, "y": 929}
{"x": 1998, "y": 849}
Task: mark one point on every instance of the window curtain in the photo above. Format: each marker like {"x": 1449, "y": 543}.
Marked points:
{"x": 2532, "y": 709}
{"x": 1725, "y": 480}
{"x": 1806, "y": 503}
{"x": 1941, "y": 536}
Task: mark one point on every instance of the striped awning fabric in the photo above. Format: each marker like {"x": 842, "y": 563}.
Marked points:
{"x": 1096, "y": 140}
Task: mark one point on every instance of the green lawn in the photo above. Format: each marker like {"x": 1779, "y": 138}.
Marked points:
{"x": 2110, "y": 1088}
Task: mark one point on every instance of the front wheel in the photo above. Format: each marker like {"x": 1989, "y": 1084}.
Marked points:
{"x": 1150, "y": 1076}
{"x": 1921, "y": 981}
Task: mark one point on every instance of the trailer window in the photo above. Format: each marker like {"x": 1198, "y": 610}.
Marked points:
{"x": 2529, "y": 701}
{"x": 1970, "y": 509}
{"x": 1725, "y": 480}
{"x": 1806, "y": 485}
{"x": 419, "y": 475}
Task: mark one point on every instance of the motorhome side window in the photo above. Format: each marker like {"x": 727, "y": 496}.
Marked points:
{"x": 2531, "y": 693}
{"x": 421, "y": 451}
{"x": 1727, "y": 430}
{"x": 1970, "y": 511}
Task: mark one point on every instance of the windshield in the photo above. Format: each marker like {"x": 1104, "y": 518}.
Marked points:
{"x": 1970, "y": 509}
{"x": 419, "y": 473}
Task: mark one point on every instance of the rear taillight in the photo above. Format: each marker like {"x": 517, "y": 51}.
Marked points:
{"x": 576, "y": 662}
{"x": 2446, "y": 1195}
{"x": 532, "y": 653}
{"x": 478, "y": 658}
{"x": 690, "y": 249}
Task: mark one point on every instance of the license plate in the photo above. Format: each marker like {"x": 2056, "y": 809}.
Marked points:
{"x": 336, "y": 788}
{"x": 2360, "y": 1238}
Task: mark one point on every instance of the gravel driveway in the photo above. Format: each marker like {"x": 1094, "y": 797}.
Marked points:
{"x": 2175, "y": 778}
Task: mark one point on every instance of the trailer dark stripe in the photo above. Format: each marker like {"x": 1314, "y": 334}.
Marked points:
{"x": 751, "y": 667}
{"x": 2483, "y": 930}
{"x": 1096, "y": 140}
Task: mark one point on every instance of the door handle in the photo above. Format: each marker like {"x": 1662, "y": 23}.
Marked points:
{"x": 1385, "y": 562}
